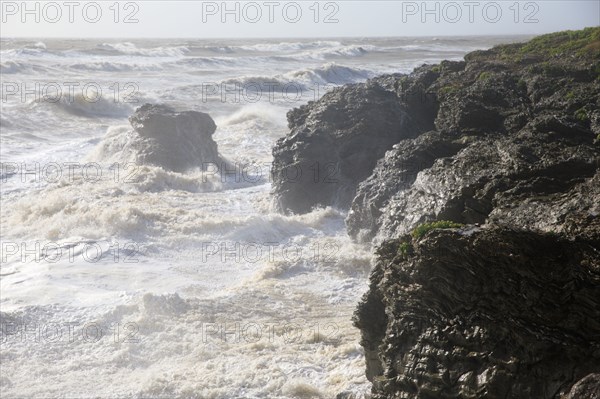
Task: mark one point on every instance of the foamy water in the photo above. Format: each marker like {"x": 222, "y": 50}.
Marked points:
{"x": 124, "y": 280}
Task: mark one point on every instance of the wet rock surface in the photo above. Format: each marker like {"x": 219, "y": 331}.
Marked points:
{"x": 515, "y": 128}
{"x": 505, "y": 143}
{"x": 173, "y": 139}
{"x": 448, "y": 141}
{"x": 507, "y": 306}
{"x": 587, "y": 388}
{"x": 482, "y": 313}
{"x": 334, "y": 143}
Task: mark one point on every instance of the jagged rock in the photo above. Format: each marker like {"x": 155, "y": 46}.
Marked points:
{"x": 507, "y": 142}
{"x": 175, "y": 140}
{"x": 494, "y": 179}
{"x": 514, "y": 131}
{"x": 482, "y": 313}
{"x": 586, "y": 388}
{"x": 335, "y": 142}
{"x": 394, "y": 173}
{"x": 508, "y": 306}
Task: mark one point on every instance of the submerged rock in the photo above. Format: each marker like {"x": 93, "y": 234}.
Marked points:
{"x": 176, "y": 140}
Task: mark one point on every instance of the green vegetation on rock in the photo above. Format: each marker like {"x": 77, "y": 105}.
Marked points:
{"x": 484, "y": 76}
{"x": 405, "y": 249}
{"x": 581, "y": 115}
{"x": 423, "y": 229}
{"x": 596, "y": 70}
{"x": 549, "y": 69}
{"x": 580, "y": 42}
{"x": 448, "y": 89}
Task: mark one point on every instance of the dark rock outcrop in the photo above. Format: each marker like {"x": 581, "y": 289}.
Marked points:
{"x": 507, "y": 306}
{"x": 396, "y": 173}
{"x": 335, "y": 142}
{"x": 496, "y": 179}
{"x": 505, "y": 144}
{"x": 515, "y": 128}
{"x": 586, "y": 388}
{"x": 482, "y": 313}
{"x": 504, "y": 113}
{"x": 175, "y": 140}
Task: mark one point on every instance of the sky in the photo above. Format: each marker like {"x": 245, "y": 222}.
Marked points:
{"x": 256, "y": 19}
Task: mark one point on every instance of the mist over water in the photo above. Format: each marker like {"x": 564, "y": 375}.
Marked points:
{"x": 124, "y": 280}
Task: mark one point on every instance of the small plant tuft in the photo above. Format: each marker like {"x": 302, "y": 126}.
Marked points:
{"x": 581, "y": 115}
{"x": 484, "y": 76}
{"x": 448, "y": 90}
{"x": 423, "y": 229}
{"x": 405, "y": 250}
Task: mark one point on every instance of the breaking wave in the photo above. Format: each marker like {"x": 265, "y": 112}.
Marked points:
{"x": 128, "y": 48}
{"x": 83, "y": 106}
{"x": 329, "y": 73}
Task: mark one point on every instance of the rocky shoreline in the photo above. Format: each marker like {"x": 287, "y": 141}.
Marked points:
{"x": 503, "y": 299}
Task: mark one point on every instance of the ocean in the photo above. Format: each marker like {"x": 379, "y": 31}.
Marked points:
{"x": 124, "y": 280}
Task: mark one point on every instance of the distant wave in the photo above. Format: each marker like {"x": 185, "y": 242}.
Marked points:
{"x": 196, "y": 58}
{"x": 108, "y": 66}
{"x": 11, "y": 67}
{"x": 25, "y": 67}
{"x": 298, "y": 51}
{"x": 127, "y": 48}
{"x": 347, "y": 51}
{"x": 199, "y": 62}
{"x": 37, "y": 45}
{"x": 329, "y": 73}
{"x": 289, "y": 46}
{"x": 320, "y": 53}
{"x": 433, "y": 48}
{"x": 216, "y": 49}
{"x": 80, "y": 106}
{"x": 25, "y": 51}
{"x": 255, "y": 113}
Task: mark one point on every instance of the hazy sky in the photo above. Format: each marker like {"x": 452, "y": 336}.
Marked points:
{"x": 240, "y": 19}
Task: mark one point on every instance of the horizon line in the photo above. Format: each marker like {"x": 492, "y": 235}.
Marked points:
{"x": 269, "y": 37}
